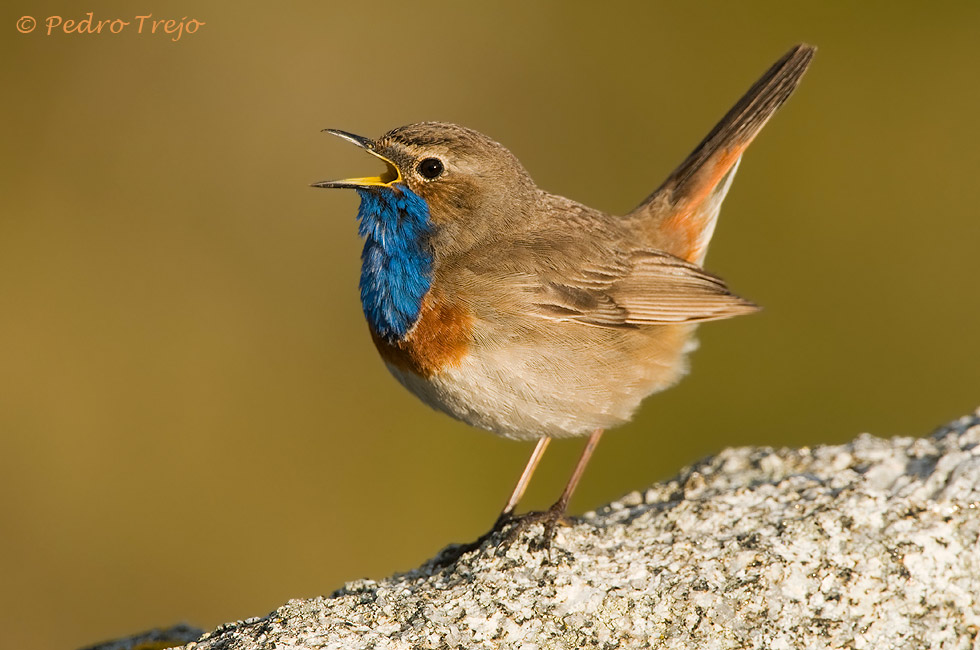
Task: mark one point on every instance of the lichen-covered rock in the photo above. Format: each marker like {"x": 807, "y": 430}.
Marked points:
{"x": 873, "y": 544}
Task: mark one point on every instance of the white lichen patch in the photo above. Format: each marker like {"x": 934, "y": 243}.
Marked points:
{"x": 874, "y": 544}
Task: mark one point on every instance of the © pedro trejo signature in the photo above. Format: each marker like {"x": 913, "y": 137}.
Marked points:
{"x": 144, "y": 24}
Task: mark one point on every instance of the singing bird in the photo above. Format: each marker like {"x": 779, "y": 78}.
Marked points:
{"x": 526, "y": 313}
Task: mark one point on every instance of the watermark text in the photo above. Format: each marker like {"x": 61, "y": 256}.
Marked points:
{"x": 148, "y": 24}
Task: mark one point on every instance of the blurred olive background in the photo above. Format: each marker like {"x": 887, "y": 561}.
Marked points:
{"x": 195, "y": 423}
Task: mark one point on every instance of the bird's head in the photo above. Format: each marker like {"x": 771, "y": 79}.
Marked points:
{"x": 472, "y": 186}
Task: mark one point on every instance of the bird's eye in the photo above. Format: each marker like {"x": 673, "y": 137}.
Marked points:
{"x": 431, "y": 168}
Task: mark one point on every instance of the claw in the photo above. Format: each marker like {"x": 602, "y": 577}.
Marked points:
{"x": 514, "y": 527}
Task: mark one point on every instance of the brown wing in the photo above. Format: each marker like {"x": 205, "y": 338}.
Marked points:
{"x": 680, "y": 215}
{"x": 645, "y": 287}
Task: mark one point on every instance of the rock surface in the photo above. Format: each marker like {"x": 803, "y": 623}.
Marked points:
{"x": 872, "y": 544}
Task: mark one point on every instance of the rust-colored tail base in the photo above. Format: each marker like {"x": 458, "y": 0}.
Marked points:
{"x": 680, "y": 215}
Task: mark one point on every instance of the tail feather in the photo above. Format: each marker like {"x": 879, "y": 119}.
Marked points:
{"x": 680, "y": 215}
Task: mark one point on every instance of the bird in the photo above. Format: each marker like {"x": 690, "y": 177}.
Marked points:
{"x": 526, "y": 313}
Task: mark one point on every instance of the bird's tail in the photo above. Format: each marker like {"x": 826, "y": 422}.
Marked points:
{"x": 680, "y": 215}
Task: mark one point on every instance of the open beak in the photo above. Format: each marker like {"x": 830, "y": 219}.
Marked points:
{"x": 387, "y": 179}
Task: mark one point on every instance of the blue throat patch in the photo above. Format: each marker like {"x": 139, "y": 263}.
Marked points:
{"x": 396, "y": 263}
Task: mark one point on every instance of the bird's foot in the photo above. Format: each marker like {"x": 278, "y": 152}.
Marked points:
{"x": 513, "y": 527}
{"x": 506, "y": 531}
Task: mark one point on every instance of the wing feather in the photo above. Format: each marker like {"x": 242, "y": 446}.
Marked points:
{"x": 655, "y": 288}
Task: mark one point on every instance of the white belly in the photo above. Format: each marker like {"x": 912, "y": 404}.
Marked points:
{"x": 530, "y": 396}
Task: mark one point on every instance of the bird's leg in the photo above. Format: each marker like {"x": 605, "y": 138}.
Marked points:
{"x": 450, "y": 554}
{"x": 553, "y": 515}
{"x": 515, "y": 525}
{"x": 558, "y": 508}
{"x": 522, "y": 483}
